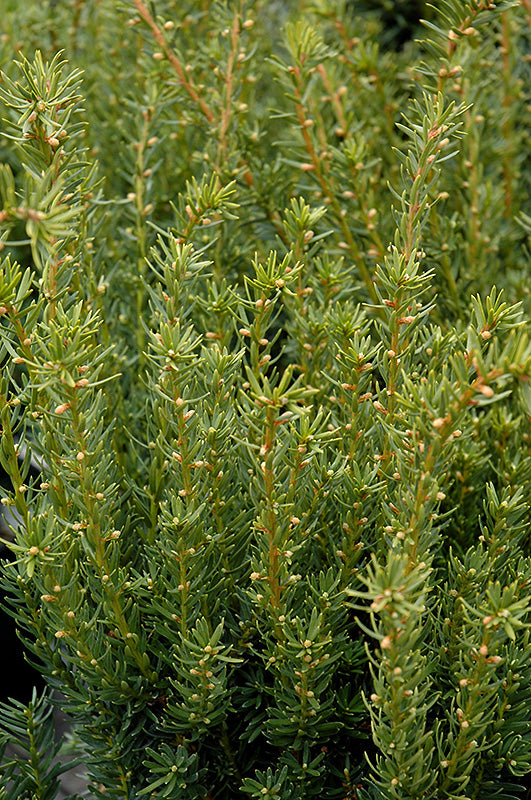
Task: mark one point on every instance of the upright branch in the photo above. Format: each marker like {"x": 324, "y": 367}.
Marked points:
{"x": 180, "y": 69}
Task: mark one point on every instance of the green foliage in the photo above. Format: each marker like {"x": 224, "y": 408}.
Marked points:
{"x": 265, "y": 327}
{"x": 30, "y": 768}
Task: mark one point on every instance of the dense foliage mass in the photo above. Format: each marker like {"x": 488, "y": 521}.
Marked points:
{"x": 264, "y": 331}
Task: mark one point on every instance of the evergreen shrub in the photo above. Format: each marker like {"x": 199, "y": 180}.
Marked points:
{"x": 264, "y": 298}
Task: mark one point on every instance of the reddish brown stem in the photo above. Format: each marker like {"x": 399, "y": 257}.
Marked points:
{"x": 173, "y": 59}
